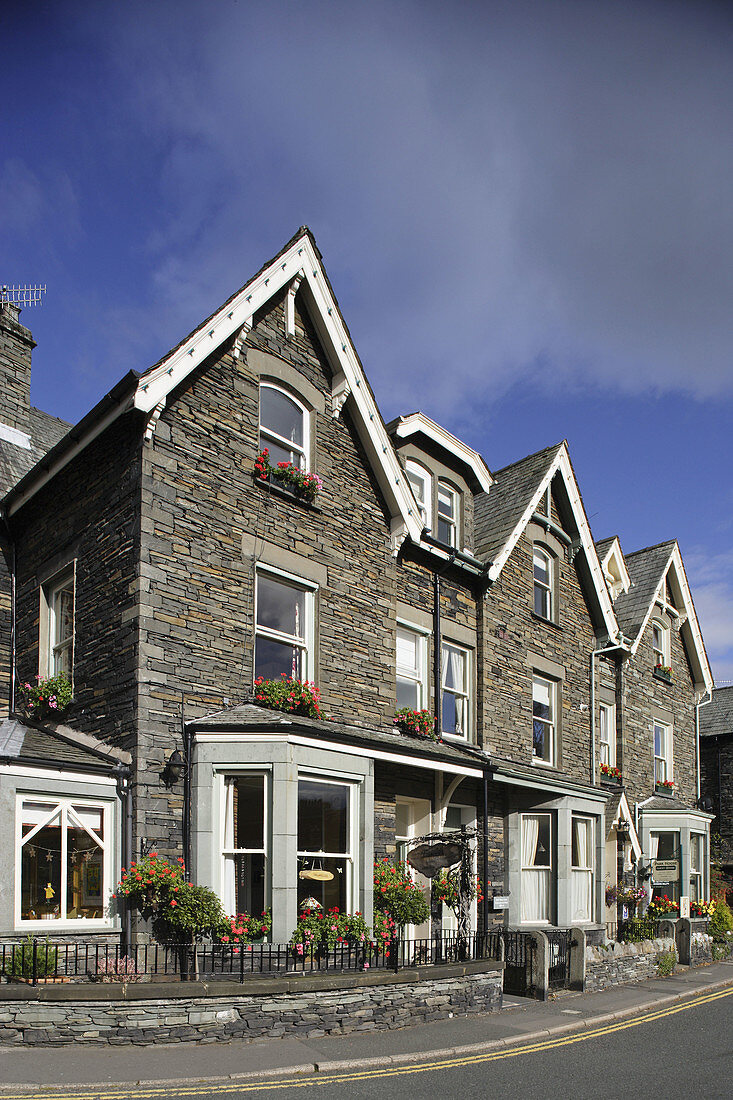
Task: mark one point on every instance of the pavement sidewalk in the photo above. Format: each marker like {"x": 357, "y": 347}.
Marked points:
{"x": 521, "y": 1020}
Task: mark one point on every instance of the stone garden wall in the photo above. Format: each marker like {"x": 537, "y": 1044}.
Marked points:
{"x": 622, "y": 962}
{"x": 144, "y": 1014}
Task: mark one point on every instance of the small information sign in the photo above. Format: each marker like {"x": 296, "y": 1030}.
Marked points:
{"x": 501, "y": 901}
{"x": 665, "y": 871}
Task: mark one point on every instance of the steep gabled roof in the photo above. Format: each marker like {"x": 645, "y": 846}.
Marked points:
{"x": 404, "y": 427}
{"x": 299, "y": 266}
{"x": 717, "y": 717}
{"x": 20, "y": 451}
{"x": 650, "y": 570}
{"x": 501, "y": 516}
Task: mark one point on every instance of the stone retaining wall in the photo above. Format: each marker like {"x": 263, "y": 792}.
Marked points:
{"x": 622, "y": 962}
{"x": 307, "y": 1007}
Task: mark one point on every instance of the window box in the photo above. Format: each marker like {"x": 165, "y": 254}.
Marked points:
{"x": 665, "y": 786}
{"x": 663, "y": 672}
{"x": 611, "y": 776}
{"x": 416, "y": 723}
{"x": 286, "y": 477}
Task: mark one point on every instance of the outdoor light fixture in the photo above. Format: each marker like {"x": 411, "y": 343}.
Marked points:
{"x": 174, "y": 768}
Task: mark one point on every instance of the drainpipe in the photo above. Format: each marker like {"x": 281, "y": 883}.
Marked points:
{"x": 485, "y": 855}
{"x": 124, "y": 793}
{"x": 437, "y": 645}
{"x": 703, "y": 703}
{"x": 12, "y": 627}
{"x": 187, "y": 741}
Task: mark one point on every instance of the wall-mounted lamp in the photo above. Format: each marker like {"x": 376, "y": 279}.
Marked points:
{"x": 174, "y": 768}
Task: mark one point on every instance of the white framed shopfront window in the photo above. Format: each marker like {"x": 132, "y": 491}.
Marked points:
{"x": 64, "y": 851}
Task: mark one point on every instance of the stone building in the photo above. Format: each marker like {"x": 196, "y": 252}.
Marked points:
{"x": 716, "y": 760}
{"x": 147, "y": 557}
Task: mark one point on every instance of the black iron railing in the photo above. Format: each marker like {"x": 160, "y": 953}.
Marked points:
{"x": 36, "y": 961}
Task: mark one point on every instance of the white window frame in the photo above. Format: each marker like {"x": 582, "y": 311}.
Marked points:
{"x": 352, "y": 819}
{"x": 228, "y": 853}
{"x": 660, "y": 644}
{"x": 306, "y": 644}
{"x": 418, "y": 675}
{"x": 544, "y": 589}
{"x": 421, "y": 480}
{"x": 465, "y": 693}
{"x": 663, "y": 757}
{"x": 549, "y": 724}
{"x": 607, "y": 734}
{"x": 451, "y": 519}
{"x": 51, "y": 648}
{"x": 582, "y": 889}
{"x": 62, "y": 807}
{"x": 299, "y": 455}
{"x": 697, "y": 874}
{"x": 529, "y": 869}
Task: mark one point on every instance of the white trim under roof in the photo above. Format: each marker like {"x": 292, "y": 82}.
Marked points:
{"x": 690, "y": 629}
{"x": 405, "y": 426}
{"x": 623, "y": 813}
{"x": 561, "y": 464}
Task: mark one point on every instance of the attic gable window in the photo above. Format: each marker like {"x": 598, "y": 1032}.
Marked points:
{"x": 542, "y": 572}
{"x": 447, "y": 514}
{"x": 421, "y": 483}
{"x": 660, "y": 644}
{"x": 283, "y": 427}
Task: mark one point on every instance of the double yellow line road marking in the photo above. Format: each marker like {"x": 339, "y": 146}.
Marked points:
{"x": 170, "y": 1090}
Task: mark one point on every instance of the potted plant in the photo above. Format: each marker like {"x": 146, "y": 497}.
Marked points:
{"x": 288, "y": 694}
{"x": 395, "y": 893}
{"x": 46, "y": 698}
{"x": 304, "y": 485}
{"x": 418, "y": 723}
{"x": 609, "y": 774}
{"x": 663, "y": 672}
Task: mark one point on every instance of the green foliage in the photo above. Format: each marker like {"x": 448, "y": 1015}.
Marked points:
{"x": 245, "y": 928}
{"x": 446, "y": 887}
{"x": 292, "y": 696}
{"x": 721, "y": 922}
{"x": 666, "y": 963}
{"x": 385, "y": 929}
{"x": 190, "y": 913}
{"x": 46, "y": 698}
{"x": 637, "y": 930}
{"x": 19, "y": 964}
{"x": 305, "y": 485}
{"x": 320, "y": 930}
{"x": 396, "y": 893}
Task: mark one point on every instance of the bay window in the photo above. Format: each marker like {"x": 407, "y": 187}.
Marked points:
{"x": 326, "y": 843}
{"x": 697, "y": 864}
{"x": 63, "y": 859}
{"x": 536, "y": 886}
{"x": 582, "y": 863}
{"x": 244, "y": 846}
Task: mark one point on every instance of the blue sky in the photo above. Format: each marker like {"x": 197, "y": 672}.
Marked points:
{"x": 524, "y": 209}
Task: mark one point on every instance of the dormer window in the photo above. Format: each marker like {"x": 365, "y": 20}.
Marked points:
{"x": 447, "y": 514}
{"x": 542, "y": 571}
{"x": 422, "y": 486}
{"x": 283, "y": 427}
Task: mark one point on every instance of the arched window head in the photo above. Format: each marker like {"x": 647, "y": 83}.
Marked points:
{"x": 283, "y": 426}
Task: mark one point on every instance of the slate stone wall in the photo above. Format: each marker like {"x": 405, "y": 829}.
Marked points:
{"x": 620, "y": 963}
{"x": 719, "y": 789}
{"x": 89, "y": 514}
{"x": 219, "y": 1013}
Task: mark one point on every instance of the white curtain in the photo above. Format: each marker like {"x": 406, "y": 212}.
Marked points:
{"x": 653, "y": 846}
{"x": 452, "y": 669}
{"x": 535, "y": 880}
{"x": 582, "y": 875}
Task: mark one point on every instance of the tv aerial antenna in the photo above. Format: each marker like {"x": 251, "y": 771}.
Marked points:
{"x": 22, "y": 295}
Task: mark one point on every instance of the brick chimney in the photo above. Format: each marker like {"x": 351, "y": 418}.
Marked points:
{"x": 16, "y": 345}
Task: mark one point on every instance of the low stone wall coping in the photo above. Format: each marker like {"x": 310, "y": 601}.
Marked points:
{"x": 303, "y": 982}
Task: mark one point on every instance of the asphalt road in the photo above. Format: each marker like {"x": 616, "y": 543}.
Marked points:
{"x": 681, "y": 1050}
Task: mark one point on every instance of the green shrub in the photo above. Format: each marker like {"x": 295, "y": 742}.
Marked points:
{"x": 188, "y": 914}
{"x": 20, "y": 963}
{"x": 327, "y": 930}
{"x": 666, "y": 962}
{"x": 721, "y": 922}
{"x": 46, "y": 698}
